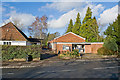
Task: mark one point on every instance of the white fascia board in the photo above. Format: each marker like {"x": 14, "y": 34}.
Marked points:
{"x": 63, "y": 43}
{"x": 80, "y": 43}
{"x": 97, "y": 42}
{"x": 71, "y": 43}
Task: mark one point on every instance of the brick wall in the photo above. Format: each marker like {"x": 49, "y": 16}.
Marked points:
{"x": 95, "y": 47}
{"x": 92, "y": 48}
{"x": 88, "y": 48}
{"x": 60, "y": 47}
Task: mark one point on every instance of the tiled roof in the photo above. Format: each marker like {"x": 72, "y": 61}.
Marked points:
{"x": 69, "y": 37}
{"x": 12, "y": 33}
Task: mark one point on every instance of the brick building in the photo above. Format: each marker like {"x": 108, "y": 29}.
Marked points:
{"x": 11, "y": 35}
{"x": 71, "y": 41}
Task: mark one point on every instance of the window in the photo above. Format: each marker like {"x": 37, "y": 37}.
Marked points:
{"x": 9, "y": 43}
{"x": 65, "y": 47}
{"x": 6, "y": 43}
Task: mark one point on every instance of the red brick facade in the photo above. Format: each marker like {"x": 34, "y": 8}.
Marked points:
{"x": 60, "y": 47}
{"x": 69, "y": 37}
{"x": 92, "y": 48}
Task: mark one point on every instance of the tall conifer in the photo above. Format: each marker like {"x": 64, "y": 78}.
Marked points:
{"x": 88, "y": 15}
{"x": 70, "y": 26}
{"x": 76, "y": 27}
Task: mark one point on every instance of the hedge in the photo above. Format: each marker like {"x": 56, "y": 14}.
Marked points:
{"x": 11, "y": 52}
{"x": 105, "y": 51}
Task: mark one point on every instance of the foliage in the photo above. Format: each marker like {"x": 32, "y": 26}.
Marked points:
{"x": 105, "y": 51}
{"x": 38, "y": 29}
{"x": 70, "y": 26}
{"x": 111, "y": 44}
{"x": 89, "y": 28}
{"x": 72, "y": 54}
{"x": 76, "y": 27}
{"x": 87, "y": 16}
{"x": 75, "y": 52}
{"x": 11, "y": 52}
{"x": 112, "y": 32}
{"x": 52, "y": 36}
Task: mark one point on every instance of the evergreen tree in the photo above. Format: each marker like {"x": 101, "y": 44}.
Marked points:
{"x": 76, "y": 27}
{"x": 85, "y": 28}
{"x": 70, "y": 26}
{"x": 89, "y": 28}
{"x": 88, "y": 15}
{"x": 113, "y": 31}
{"x": 94, "y": 30}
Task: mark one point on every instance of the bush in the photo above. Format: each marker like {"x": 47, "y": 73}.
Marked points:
{"x": 73, "y": 54}
{"x": 111, "y": 44}
{"x": 76, "y": 52}
{"x": 105, "y": 51}
{"x": 11, "y": 52}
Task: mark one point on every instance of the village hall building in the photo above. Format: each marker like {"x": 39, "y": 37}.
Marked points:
{"x": 71, "y": 41}
{"x": 11, "y": 35}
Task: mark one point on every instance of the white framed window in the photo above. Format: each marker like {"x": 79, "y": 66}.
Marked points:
{"x": 6, "y": 43}
{"x": 65, "y": 47}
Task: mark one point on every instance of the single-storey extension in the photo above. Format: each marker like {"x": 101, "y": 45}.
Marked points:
{"x": 71, "y": 41}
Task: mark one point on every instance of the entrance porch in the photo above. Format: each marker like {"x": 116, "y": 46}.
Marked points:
{"x": 80, "y": 47}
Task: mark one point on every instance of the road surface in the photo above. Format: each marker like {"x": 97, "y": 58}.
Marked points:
{"x": 68, "y": 69}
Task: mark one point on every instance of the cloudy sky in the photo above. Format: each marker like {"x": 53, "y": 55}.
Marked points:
{"x": 58, "y": 13}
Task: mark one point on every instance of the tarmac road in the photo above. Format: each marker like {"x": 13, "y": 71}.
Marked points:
{"x": 70, "y": 69}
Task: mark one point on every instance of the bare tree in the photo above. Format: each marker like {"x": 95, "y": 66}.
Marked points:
{"x": 38, "y": 29}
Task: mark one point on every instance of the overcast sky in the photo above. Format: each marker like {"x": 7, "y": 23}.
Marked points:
{"x": 58, "y": 13}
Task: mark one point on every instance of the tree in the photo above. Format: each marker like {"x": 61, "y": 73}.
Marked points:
{"x": 76, "y": 27}
{"x": 85, "y": 30}
{"x": 94, "y": 30}
{"x": 110, "y": 43}
{"x": 52, "y": 36}
{"x": 38, "y": 29}
{"x": 88, "y": 15}
{"x": 89, "y": 28}
{"x": 70, "y": 26}
{"x": 113, "y": 31}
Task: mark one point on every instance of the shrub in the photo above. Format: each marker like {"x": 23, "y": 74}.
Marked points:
{"x": 111, "y": 44}
{"x": 11, "y": 52}
{"x": 105, "y": 51}
{"x": 72, "y": 54}
{"x": 76, "y": 52}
